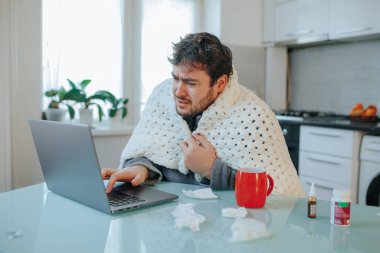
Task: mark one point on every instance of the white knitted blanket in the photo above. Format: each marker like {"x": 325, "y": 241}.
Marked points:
{"x": 240, "y": 126}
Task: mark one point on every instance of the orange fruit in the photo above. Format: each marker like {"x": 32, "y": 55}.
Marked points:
{"x": 373, "y": 109}
{"x": 370, "y": 112}
{"x": 356, "y": 112}
{"x": 358, "y": 106}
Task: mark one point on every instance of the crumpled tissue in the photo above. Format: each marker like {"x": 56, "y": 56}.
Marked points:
{"x": 185, "y": 216}
{"x": 234, "y": 212}
{"x": 246, "y": 229}
{"x": 204, "y": 193}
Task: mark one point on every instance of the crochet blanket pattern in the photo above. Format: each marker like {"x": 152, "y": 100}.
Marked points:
{"x": 242, "y": 128}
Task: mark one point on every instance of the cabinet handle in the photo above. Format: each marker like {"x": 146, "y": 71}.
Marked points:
{"x": 299, "y": 33}
{"x": 321, "y": 186}
{"x": 324, "y": 134}
{"x": 323, "y": 161}
{"x": 354, "y": 30}
{"x": 373, "y": 149}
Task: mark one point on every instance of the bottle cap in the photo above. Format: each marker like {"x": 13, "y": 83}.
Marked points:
{"x": 342, "y": 193}
{"x": 312, "y": 190}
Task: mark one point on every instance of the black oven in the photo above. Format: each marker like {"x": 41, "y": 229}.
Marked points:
{"x": 291, "y": 131}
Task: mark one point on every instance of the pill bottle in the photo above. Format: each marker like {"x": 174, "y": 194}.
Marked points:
{"x": 341, "y": 208}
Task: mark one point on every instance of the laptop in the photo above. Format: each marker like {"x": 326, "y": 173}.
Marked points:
{"x": 70, "y": 167}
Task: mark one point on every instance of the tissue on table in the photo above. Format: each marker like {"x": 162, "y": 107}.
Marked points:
{"x": 185, "y": 216}
{"x": 248, "y": 229}
{"x": 205, "y": 193}
{"x": 234, "y": 212}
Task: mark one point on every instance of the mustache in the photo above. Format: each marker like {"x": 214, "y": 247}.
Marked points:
{"x": 182, "y": 98}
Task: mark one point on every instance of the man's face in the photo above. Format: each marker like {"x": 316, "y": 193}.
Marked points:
{"x": 192, "y": 90}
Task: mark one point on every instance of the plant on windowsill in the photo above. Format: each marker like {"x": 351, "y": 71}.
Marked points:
{"x": 58, "y": 97}
{"x": 86, "y": 102}
{"x": 118, "y": 106}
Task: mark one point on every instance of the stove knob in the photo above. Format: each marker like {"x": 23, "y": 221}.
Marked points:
{"x": 285, "y": 131}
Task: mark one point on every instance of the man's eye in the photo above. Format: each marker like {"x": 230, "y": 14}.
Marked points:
{"x": 190, "y": 83}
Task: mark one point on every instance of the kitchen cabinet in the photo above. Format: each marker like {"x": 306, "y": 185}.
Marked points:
{"x": 329, "y": 158}
{"x": 268, "y": 23}
{"x": 354, "y": 18}
{"x": 301, "y": 21}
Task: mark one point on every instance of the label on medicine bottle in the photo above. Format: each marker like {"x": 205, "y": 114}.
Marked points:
{"x": 341, "y": 208}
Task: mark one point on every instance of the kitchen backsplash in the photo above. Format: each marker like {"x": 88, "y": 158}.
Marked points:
{"x": 335, "y": 77}
{"x": 250, "y": 65}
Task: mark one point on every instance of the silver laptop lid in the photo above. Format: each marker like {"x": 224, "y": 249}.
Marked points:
{"x": 69, "y": 163}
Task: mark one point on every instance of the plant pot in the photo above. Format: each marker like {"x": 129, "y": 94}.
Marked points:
{"x": 117, "y": 120}
{"x": 85, "y": 116}
{"x": 55, "y": 114}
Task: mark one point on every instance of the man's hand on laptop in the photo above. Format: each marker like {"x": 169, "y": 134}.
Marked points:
{"x": 136, "y": 174}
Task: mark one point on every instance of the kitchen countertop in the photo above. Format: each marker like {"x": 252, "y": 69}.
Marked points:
{"x": 338, "y": 122}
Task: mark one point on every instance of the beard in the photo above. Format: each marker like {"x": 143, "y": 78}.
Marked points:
{"x": 202, "y": 105}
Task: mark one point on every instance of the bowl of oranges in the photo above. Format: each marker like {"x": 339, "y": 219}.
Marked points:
{"x": 361, "y": 113}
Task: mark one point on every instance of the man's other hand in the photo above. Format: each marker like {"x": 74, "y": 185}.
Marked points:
{"x": 199, "y": 154}
{"x": 136, "y": 174}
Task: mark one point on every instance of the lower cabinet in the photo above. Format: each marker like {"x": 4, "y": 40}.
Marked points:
{"x": 329, "y": 158}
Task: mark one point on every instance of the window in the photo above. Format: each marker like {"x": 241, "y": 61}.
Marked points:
{"x": 163, "y": 22}
{"x": 82, "y": 40}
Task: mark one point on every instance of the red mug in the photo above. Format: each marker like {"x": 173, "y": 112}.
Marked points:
{"x": 252, "y": 186}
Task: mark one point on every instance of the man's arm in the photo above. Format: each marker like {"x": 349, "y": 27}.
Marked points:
{"x": 200, "y": 158}
{"x": 222, "y": 176}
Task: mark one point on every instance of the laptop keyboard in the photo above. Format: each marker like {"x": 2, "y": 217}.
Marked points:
{"x": 117, "y": 198}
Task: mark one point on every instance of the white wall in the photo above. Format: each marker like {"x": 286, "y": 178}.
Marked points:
{"x": 237, "y": 22}
{"x": 21, "y": 79}
{"x": 5, "y": 87}
{"x": 241, "y": 22}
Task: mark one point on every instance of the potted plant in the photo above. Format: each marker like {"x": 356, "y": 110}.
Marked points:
{"x": 81, "y": 97}
{"x": 57, "y": 97}
{"x": 117, "y": 105}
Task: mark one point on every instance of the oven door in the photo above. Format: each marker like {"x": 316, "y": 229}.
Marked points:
{"x": 291, "y": 132}
{"x": 373, "y": 192}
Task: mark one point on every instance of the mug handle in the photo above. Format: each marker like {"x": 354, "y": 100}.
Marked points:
{"x": 271, "y": 185}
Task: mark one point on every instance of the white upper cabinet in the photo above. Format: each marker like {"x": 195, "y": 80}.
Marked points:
{"x": 301, "y": 21}
{"x": 354, "y": 18}
{"x": 268, "y": 23}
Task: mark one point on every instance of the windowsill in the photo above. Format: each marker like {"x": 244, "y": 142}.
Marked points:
{"x": 104, "y": 129}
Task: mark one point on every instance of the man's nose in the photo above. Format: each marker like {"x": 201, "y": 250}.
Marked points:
{"x": 181, "y": 89}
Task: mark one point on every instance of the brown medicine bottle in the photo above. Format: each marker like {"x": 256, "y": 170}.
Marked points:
{"x": 312, "y": 203}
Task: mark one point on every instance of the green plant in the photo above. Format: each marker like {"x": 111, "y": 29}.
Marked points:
{"x": 57, "y": 98}
{"x": 79, "y": 95}
{"x": 116, "y": 104}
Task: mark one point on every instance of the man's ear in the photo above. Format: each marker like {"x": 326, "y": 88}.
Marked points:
{"x": 221, "y": 83}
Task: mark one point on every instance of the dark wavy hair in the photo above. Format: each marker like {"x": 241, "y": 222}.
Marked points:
{"x": 203, "y": 50}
